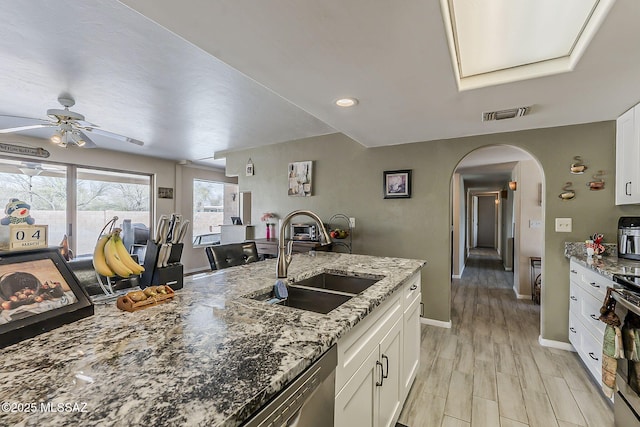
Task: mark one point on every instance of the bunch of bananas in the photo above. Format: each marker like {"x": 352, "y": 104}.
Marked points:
{"x": 111, "y": 258}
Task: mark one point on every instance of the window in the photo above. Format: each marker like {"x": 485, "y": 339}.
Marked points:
{"x": 99, "y": 196}
{"x": 214, "y": 203}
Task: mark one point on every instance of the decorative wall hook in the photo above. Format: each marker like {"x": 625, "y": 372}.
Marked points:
{"x": 578, "y": 167}
{"x": 598, "y": 182}
{"x": 568, "y": 193}
{"x": 249, "y": 168}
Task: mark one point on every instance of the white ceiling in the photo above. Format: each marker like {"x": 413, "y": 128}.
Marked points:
{"x": 255, "y": 73}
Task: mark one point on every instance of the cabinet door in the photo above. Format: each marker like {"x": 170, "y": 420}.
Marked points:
{"x": 357, "y": 402}
{"x": 392, "y": 385}
{"x": 627, "y": 151}
{"x": 410, "y": 345}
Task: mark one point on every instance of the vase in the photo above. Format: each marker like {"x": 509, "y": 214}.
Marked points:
{"x": 268, "y": 231}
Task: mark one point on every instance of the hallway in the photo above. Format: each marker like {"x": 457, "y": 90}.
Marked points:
{"x": 489, "y": 370}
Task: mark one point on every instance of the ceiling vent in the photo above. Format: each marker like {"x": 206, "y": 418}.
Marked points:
{"x": 505, "y": 114}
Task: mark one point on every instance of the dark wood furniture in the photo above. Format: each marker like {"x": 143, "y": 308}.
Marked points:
{"x": 269, "y": 247}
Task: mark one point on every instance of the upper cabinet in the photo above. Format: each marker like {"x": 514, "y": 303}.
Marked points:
{"x": 628, "y": 157}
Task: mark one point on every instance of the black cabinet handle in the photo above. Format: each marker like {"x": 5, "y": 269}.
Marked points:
{"x": 387, "y": 363}
{"x": 379, "y": 383}
{"x": 626, "y": 188}
{"x": 572, "y": 329}
{"x": 591, "y": 355}
{"x": 593, "y": 316}
{"x": 594, "y": 284}
{"x": 413, "y": 287}
{"x": 574, "y": 298}
{"x": 574, "y": 271}
{"x": 421, "y": 309}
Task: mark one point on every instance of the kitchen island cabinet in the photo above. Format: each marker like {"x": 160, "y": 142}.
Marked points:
{"x": 212, "y": 356}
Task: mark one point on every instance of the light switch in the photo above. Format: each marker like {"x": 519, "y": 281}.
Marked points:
{"x": 563, "y": 225}
{"x": 352, "y": 222}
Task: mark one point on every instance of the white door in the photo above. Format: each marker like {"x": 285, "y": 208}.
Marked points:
{"x": 411, "y": 345}
{"x": 627, "y": 154}
{"x": 357, "y": 402}
{"x": 392, "y": 385}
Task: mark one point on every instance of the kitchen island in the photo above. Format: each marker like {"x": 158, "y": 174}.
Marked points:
{"x": 210, "y": 357}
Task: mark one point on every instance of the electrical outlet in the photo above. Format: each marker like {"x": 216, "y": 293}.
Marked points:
{"x": 352, "y": 222}
{"x": 563, "y": 225}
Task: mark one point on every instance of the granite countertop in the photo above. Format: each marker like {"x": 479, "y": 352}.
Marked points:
{"x": 209, "y": 357}
{"x": 606, "y": 265}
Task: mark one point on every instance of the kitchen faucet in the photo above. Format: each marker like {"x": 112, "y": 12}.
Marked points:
{"x": 284, "y": 255}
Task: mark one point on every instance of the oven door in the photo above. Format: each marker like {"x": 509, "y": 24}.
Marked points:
{"x": 626, "y": 404}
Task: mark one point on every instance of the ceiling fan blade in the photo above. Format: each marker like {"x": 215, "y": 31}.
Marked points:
{"x": 114, "y": 136}
{"x": 88, "y": 143}
{"x": 21, "y": 128}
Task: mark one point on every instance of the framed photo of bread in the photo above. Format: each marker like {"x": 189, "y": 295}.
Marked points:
{"x": 38, "y": 293}
{"x": 397, "y": 184}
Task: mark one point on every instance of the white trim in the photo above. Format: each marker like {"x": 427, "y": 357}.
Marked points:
{"x": 456, "y": 276}
{"x": 433, "y": 322}
{"x": 521, "y": 296}
{"x": 555, "y": 344}
{"x": 508, "y": 269}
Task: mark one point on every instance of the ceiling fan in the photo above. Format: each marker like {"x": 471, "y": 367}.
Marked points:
{"x": 71, "y": 127}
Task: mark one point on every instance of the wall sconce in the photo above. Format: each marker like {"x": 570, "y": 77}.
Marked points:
{"x": 513, "y": 185}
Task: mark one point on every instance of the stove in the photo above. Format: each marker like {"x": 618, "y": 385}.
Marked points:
{"x": 626, "y": 404}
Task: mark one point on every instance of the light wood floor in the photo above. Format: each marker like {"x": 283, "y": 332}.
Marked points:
{"x": 489, "y": 370}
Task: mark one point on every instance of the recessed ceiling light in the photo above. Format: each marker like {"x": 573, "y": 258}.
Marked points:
{"x": 346, "y": 102}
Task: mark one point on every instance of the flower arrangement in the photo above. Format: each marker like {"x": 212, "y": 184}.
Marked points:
{"x": 267, "y": 216}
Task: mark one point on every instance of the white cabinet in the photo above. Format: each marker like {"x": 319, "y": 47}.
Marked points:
{"x": 372, "y": 396}
{"x": 587, "y": 290}
{"x": 628, "y": 157}
{"x": 410, "y": 334}
{"x": 378, "y": 360}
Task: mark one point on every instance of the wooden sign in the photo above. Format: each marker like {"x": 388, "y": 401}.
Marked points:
{"x": 25, "y": 151}
{"x": 24, "y": 236}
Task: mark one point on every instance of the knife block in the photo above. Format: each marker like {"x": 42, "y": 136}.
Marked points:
{"x": 170, "y": 275}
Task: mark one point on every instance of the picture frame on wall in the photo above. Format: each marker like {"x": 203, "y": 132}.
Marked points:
{"x": 38, "y": 293}
{"x": 300, "y": 178}
{"x": 397, "y": 184}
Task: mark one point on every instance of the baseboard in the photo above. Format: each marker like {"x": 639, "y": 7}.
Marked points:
{"x": 508, "y": 269}
{"x": 433, "y": 322}
{"x": 521, "y": 296}
{"x": 555, "y": 344}
{"x": 456, "y": 276}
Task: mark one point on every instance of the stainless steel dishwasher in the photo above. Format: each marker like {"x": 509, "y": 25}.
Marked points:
{"x": 308, "y": 401}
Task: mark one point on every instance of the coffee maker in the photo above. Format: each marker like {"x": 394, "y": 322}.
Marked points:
{"x": 629, "y": 237}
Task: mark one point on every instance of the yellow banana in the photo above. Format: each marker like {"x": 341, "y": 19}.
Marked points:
{"x": 124, "y": 255}
{"x": 99, "y": 261}
{"x": 113, "y": 260}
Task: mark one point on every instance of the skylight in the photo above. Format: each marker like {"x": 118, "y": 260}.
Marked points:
{"x": 500, "y": 41}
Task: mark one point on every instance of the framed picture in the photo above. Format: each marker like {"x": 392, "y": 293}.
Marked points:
{"x": 165, "y": 193}
{"x": 249, "y": 168}
{"x": 300, "y": 174}
{"x": 397, "y": 184}
{"x": 38, "y": 292}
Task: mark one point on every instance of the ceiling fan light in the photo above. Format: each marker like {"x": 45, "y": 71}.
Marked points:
{"x": 80, "y": 142}
{"x": 56, "y": 138}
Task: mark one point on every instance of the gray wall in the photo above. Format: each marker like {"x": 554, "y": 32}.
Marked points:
{"x": 348, "y": 179}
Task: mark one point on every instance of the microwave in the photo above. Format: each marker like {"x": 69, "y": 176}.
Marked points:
{"x": 307, "y": 232}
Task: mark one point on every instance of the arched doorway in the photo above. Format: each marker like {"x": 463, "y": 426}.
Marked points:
{"x": 513, "y": 180}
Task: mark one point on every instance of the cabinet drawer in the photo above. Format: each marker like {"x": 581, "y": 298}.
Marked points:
{"x": 354, "y": 347}
{"x": 411, "y": 290}
{"x": 589, "y": 313}
{"x": 590, "y": 281}
{"x": 591, "y": 354}
{"x": 575, "y": 294}
{"x": 574, "y": 331}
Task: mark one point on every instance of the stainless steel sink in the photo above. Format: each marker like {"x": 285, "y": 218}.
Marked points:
{"x": 338, "y": 282}
{"x": 321, "y": 293}
{"x": 314, "y": 300}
